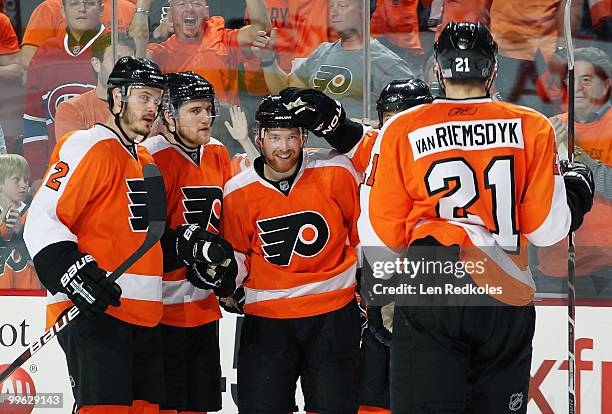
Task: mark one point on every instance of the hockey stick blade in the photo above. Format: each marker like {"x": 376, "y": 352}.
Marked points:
{"x": 156, "y": 208}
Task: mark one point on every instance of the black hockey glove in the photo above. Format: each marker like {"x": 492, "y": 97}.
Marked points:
{"x": 194, "y": 244}
{"x": 579, "y": 187}
{"x": 235, "y": 302}
{"x": 87, "y": 286}
{"x": 313, "y": 110}
{"x": 219, "y": 277}
{"x": 376, "y": 326}
{"x": 323, "y": 116}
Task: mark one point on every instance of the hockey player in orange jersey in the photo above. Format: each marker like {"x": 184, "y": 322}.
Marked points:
{"x": 85, "y": 220}
{"x": 292, "y": 221}
{"x": 195, "y": 168}
{"x": 464, "y": 179}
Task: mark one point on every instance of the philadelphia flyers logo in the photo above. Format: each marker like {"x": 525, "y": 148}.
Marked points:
{"x": 305, "y": 233}
{"x": 137, "y": 194}
{"x": 62, "y": 93}
{"x": 335, "y": 79}
{"x": 203, "y": 206}
{"x": 15, "y": 258}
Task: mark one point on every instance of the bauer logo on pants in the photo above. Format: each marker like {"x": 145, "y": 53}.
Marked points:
{"x": 305, "y": 233}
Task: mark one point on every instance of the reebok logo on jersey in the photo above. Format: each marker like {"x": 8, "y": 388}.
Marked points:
{"x": 335, "y": 79}
{"x": 458, "y": 111}
{"x": 139, "y": 220}
{"x": 203, "y": 206}
{"x": 305, "y": 233}
{"x": 467, "y": 136}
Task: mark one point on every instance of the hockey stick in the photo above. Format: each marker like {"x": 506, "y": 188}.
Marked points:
{"x": 571, "y": 251}
{"x": 156, "y": 207}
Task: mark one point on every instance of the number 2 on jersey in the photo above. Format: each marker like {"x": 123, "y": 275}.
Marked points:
{"x": 61, "y": 170}
{"x": 498, "y": 179}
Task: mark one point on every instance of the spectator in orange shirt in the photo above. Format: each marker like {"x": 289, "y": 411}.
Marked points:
{"x": 593, "y": 131}
{"x": 48, "y": 20}
{"x": 396, "y": 24}
{"x": 202, "y": 44}
{"x": 10, "y": 73}
{"x": 83, "y": 111}
{"x": 16, "y": 269}
{"x": 9, "y": 51}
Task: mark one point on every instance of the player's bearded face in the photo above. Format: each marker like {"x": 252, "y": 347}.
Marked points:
{"x": 195, "y": 121}
{"x": 188, "y": 17}
{"x": 281, "y": 147}
{"x": 140, "y": 111}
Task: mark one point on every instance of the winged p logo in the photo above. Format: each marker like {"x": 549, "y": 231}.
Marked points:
{"x": 305, "y": 233}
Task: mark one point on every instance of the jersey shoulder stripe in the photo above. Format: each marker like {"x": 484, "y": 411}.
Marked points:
{"x": 241, "y": 180}
{"x": 321, "y": 158}
{"x": 156, "y": 144}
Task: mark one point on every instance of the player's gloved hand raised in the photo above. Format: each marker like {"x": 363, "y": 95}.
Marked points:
{"x": 313, "y": 110}
{"x": 580, "y": 189}
{"x": 219, "y": 277}
{"x": 235, "y": 302}
{"x": 376, "y": 325}
{"x": 87, "y": 286}
{"x": 193, "y": 244}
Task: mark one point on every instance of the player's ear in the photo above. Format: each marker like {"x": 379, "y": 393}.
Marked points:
{"x": 607, "y": 89}
{"x": 116, "y": 93}
{"x": 169, "y": 120}
{"x": 96, "y": 64}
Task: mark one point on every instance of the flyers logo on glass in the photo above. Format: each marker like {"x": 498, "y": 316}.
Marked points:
{"x": 333, "y": 79}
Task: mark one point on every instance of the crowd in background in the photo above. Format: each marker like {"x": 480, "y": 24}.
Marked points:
{"x": 53, "y": 76}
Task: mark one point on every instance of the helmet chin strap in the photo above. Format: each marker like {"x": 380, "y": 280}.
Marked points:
{"x": 179, "y": 139}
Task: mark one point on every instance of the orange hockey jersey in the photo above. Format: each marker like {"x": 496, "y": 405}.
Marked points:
{"x": 195, "y": 195}
{"x": 297, "y": 251}
{"x": 475, "y": 173}
{"x": 93, "y": 194}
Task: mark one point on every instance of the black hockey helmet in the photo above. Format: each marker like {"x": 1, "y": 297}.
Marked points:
{"x": 272, "y": 113}
{"x": 400, "y": 95}
{"x": 466, "y": 50}
{"x": 187, "y": 86}
{"x": 131, "y": 71}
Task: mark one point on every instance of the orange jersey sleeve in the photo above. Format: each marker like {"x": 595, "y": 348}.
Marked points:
{"x": 471, "y": 173}
{"x": 8, "y": 39}
{"x": 300, "y": 250}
